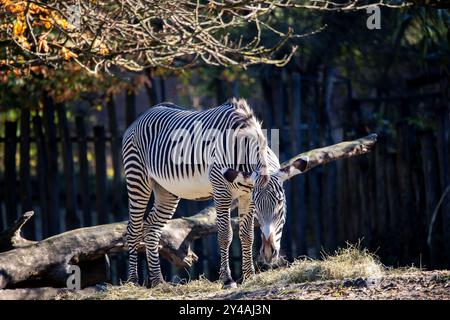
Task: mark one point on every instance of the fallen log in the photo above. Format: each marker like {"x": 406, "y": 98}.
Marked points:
{"x": 24, "y": 260}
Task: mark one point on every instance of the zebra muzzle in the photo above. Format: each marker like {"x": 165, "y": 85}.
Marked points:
{"x": 268, "y": 248}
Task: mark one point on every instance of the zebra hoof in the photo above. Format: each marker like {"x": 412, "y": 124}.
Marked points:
{"x": 229, "y": 285}
{"x": 153, "y": 283}
{"x": 133, "y": 280}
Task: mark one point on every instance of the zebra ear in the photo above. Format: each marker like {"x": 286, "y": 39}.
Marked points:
{"x": 298, "y": 166}
{"x": 235, "y": 176}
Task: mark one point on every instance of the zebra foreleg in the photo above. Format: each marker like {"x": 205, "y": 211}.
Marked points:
{"x": 224, "y": 236}
{"x": 246, "y": 235}
{"x": 163, "y": 209}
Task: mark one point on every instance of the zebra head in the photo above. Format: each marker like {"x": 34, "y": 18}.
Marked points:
{"x": 270, "y": 203}
{"x": 270, "y": 206}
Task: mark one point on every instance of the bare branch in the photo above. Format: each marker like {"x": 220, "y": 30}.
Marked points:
{"x": 137, "y": 34}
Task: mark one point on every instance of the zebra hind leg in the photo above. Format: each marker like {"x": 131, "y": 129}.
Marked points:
{"x": 139, "y": 192}
{"x": 163, "y": 209}
{"x": 137, "y": 206}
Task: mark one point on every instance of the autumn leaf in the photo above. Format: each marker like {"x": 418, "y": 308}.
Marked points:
{"x": 24, "y": 42}
{"x": 46, "y": 22}
{"x": 67, "y": 54}
{"x": 15, "y": 8}
{"x": 103, "y": 49}
{"x": 59, "y": 20}
{"x": 19, "y": 28}
{"x": 43, "y": 45}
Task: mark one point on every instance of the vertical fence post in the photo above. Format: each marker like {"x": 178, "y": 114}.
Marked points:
{"x": 404, "y": 179}
{"x": 221, "y": 92}
{"x": 162, "y": 83}
{"x": 83, "y": 185}
{"x": 150, "y": 87}
{"x": 72, "y": 219}
{"x": 392, "y": 188}
{"x": 25, "y": 176}
{"x": 443, "y": 147}
{"x": 117, "y": 207}
{"x": 328, "y": 190}
{"x": 116, "y": 189}
{"x": 130, "y": 107}
{"x": 41, "y": 170}
{"x": 268, "y": 98}
{"x": 313, "y": 185}
{"x": 100, "y": 174}
{"x": 381, "y": 189}
{"x": 431, "y": 180}
{"x": 52, "y": 166}
{"x": 10, "y": 171}
{"x": 298, "y": 185}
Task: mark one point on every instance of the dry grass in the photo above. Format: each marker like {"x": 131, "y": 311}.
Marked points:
{"x": 128, "y": 291}
{"x": 351, "y": 262}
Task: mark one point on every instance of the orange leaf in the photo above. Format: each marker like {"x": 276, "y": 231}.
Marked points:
{"x": 19, "y": 28}
{"x": 43, "y": 45}
{"x": 67, "y": 54}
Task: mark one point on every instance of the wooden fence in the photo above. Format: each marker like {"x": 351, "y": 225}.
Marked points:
{"x": 387, "y": 198}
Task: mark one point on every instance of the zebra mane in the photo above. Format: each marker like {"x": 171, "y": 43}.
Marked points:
{"x": 250, "y": 126}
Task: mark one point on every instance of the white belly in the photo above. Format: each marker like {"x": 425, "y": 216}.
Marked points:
{"x": 196, "y": 187}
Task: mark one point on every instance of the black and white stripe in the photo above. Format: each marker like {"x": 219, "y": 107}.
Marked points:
{"x": 177, "y": 153}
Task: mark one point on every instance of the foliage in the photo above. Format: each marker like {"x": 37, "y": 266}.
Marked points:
{"x": 147, "y": 33}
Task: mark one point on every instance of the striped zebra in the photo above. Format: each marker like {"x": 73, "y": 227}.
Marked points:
{"x": 219, "y": 153}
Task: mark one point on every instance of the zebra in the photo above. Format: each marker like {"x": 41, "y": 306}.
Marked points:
{"x": 178, "y": 154}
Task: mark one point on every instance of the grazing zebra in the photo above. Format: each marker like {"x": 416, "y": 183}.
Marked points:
{"x": 218, "y": 153}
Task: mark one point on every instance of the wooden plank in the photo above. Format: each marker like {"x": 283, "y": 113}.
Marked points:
{"x": 268, "y": 98}
{"x": 10, "y": 171}
{"x": 328, "y": 181}
{"x": 392, "y": 188}
{"x": 162, "y": 85}
{"x": 41, "y": 170}
{"x": 150, "y": 87}
{"x": 298, "y": 186}
{"x": 313, "y": 182}
{"x": 382, "y": 211}
{"x": 72, "y": 220}
{"x": 52, "y": 166}
{"x": 83, "y": 184}
{"x": 3, "y": 225}
{"x": 100, "y": 175}
{"x": 221, "y": 92}
{"x": 443, "y": 148}
{"x": 130, "y": 107}
{"x": 430, "y": 169}
{"x": 404, "y": 182}
{"x": 25, "y": 173}
{"x": 116, "y": 154}
{"x": 235, "y": 89}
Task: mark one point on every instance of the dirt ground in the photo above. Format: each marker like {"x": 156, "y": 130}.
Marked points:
{"x": 394, "y": 285}
{"x": 416, "y": 285}
{"x": 349, "y": 274}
